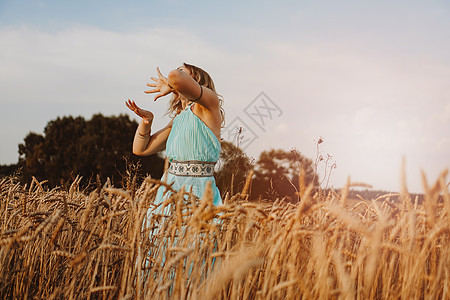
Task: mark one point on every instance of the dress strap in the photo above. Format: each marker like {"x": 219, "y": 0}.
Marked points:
{"x": 188, "y": 106}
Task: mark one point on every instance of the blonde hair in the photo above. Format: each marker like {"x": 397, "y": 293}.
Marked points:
{"x": 203, "y": 78}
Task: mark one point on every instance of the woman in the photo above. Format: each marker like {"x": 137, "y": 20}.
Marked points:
{"x": 192, "y": 137}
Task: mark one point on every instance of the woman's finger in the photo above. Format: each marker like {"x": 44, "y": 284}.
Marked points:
{"x": 155, "y": 79}
{"x": 129, "y": 104}
{"x": 152, "y": 91}
{"x": 159, "y": 73}
{"x": 157, "y": 96}
{"x": 151, "y": 84}
{"x": 133, "y": 106}
{"x": 135, "y": 111}
{"x": 138, "y": 111}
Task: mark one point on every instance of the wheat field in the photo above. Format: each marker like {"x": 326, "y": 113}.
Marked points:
{"x": 71, "y": 244}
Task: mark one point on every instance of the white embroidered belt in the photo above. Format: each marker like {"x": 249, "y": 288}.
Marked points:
{"x": 192, "y": 168}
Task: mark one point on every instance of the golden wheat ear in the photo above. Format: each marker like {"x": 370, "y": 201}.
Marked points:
{"x": 116, "y": 243}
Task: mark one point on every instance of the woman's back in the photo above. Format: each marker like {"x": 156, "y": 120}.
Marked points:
{"x": 191, "y": 140}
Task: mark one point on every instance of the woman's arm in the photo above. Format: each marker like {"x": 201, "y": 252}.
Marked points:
{"x": 144, "y": 142}
{"x": 184, "y": 84}
{"x": 147, "y": 144}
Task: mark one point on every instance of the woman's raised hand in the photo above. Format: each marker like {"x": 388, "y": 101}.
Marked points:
{"x": 161, "y": 86}
{"x": 146, "y": 115}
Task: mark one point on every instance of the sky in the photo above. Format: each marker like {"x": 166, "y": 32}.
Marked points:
{"x": 369, "y": 78}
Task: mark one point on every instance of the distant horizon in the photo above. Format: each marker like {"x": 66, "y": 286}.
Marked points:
{"x": 359, "y": 188}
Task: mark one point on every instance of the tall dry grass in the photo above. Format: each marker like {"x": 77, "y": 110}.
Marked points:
{"x": 68, "y": 244}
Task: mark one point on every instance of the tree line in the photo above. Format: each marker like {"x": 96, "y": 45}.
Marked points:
{"x": 99, "y": 149}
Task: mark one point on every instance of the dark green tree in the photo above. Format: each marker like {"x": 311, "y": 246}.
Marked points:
{"x": 233, "y": 167}
{"x": 277, "y": 175}
{"x": 73, "y": 146}
{"x": 33, "y": 150}
{"x": 9, "y": 170}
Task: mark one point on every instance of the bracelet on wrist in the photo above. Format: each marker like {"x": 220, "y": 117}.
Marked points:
{"x": 144, "y": 136}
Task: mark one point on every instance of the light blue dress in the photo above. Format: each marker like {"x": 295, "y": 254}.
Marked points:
{"x": 190, "y": 140}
